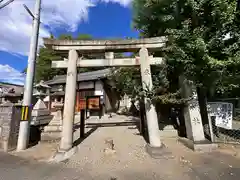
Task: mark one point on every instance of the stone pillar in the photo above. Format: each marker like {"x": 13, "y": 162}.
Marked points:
{"x": 69, "y": 102}
{"x": 151, "y": 114}
{"x": 192, "y": 116}
{"x": 49, "y": 102}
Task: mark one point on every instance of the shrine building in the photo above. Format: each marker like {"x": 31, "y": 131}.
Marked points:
{"x": 94, "y": 83}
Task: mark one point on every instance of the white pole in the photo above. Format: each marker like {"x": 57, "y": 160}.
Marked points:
{"x": 23, "y": 137}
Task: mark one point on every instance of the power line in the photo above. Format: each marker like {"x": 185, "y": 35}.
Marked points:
{"x": 5, "y": 4}
{"x": 29, "y": 11}
{"x": 33, "y": 17}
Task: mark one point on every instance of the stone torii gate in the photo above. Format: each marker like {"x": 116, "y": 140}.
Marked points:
{"x": 75, "y": 47}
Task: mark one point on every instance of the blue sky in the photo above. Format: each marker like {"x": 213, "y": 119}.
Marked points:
{"x": 100, "y": 18}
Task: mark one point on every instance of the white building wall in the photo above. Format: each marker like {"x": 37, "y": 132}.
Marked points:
{"x": 125, "y": 101}
{"x": 99, "y": 91}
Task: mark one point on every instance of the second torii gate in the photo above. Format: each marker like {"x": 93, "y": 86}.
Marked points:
{"x": 72, "y": 47}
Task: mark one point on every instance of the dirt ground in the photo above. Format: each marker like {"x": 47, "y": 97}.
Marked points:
{"x": 129, "y": 159}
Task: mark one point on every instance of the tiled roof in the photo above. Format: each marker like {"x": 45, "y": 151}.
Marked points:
{"x": 7, "y": 89}
{"x": 87, "y": 76}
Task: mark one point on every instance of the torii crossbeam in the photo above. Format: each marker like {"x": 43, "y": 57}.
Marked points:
{"x": 75, "y": 47}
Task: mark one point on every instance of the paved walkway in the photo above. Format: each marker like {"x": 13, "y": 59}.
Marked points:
{"x": 130, "y": 161}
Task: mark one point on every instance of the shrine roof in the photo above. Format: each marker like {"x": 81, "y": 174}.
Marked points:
{"x": 86, "y": 76}
{"x": 10, "y": 90}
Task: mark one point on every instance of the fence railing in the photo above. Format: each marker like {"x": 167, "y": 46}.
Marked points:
{"x": 229, "y": 132}
{"x": 222, "y": 135}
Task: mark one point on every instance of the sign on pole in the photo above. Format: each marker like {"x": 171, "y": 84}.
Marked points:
{"x": 222, "y": 112}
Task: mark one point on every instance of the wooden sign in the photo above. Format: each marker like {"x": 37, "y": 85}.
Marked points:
{"x": 94, "y": 103}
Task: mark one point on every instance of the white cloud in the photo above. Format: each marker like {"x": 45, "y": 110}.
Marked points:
{"x": 122, "y": 2}
{"x": 16, "y": 24}
{"x": 11, "y": 75}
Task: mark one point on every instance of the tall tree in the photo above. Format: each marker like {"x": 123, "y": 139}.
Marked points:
{"x": 197, "y": 32}
{"x": 43, "y": 66}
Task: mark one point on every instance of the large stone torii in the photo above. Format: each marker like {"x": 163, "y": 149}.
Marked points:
{"x": 72, "y": 47}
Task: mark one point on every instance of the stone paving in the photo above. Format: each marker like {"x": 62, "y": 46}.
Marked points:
{"x": 128, "y": 162}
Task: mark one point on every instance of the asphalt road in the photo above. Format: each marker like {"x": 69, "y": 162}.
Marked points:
{"x": 12, "y": 168}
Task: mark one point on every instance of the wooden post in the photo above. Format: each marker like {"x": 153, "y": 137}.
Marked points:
{"x": 82, "y": 123}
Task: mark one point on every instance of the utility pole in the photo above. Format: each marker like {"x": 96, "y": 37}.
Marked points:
{"x": 23, "y": 137}
{"x": 5, "y": 4}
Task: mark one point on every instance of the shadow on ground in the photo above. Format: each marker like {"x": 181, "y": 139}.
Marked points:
{"x": 94, "y": 126}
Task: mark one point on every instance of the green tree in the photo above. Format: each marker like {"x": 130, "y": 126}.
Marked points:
{"x": 229, "y": 85}
{"x": 196, "y": 30}
{"x": 127, "y": 81}
{"x": 44, "y": 60}
{"x": 65, "y": 37}
{"x": 43, "y": 66}
{"x": 84, "y": 37}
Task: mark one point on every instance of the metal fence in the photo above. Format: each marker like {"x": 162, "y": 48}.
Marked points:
{"x": 222, "y": 135}
{"x": 226, "y": 133}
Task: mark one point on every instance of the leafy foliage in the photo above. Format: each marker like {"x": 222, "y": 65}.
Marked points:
{"x": 203, "y": 38}
{"x": 127, "y": 81}
{"x": 43, "y": 65}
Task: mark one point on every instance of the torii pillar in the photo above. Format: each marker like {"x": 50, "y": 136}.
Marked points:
{"x": 155, "y": 146}
{"x": 69, "y": 102}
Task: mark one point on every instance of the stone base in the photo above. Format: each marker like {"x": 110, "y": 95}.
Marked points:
{"x": 158, "y": 152}
{"x": 4, "y": 145}
{"x": 62, "y": 156}
{"x": 200, "y": 146}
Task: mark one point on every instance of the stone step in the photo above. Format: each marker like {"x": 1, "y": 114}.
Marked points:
{"x": 50, "y": 136}
{"x": 52, "y": 128}
{"x": 168, "y": 133}
{"x": 41, "y": 120}
{"x": 40, "y": 112}
{"x": 55, "y": 123}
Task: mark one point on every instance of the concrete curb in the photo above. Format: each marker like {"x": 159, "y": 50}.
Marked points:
{"x": 202, "y": 146}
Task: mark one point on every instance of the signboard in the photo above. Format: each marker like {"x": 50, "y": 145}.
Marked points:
{"x": 82, "y": 104}
{"x": 94, "y": 103}
{"x": 222, "y": 112}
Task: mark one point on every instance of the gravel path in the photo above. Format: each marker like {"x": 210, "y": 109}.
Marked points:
{"x": 129, "y": 161}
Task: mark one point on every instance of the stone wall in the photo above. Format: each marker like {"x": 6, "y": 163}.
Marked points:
{"x": 9, "y": 126}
